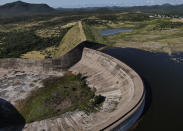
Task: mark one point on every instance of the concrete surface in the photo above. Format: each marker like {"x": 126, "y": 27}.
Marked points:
{"x": 122, "y": 87}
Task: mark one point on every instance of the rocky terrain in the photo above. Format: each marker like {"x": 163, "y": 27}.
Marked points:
{"x": 16, "y": 85}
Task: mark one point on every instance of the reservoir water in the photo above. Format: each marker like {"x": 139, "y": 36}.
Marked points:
{"x": 163, "y": 78}
{"x": 108, "y": 32}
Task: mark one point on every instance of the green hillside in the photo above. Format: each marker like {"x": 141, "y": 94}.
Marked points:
{"x": 92, "y": 33}
{"x": 72, "y": 38}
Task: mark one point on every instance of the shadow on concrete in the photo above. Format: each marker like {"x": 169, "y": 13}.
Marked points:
{"x": 10, "y": 118}
{"x": 73, "y": 56}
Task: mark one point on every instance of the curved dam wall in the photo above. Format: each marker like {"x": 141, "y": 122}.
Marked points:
{"x": 121, "y": 85}
{"x": 112, "y": 78}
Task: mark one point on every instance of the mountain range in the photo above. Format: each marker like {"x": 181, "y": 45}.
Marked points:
{"x": 161, "y": 9}
{"x": 21, "y": 8}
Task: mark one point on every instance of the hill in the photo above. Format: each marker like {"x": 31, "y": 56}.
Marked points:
{"x": 162, "y": 9}
{"x": 159, "y": 9}
{"x": 22, "y": 8}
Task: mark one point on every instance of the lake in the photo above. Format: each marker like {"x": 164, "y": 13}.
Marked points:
{"x": 163, "y": 80}
{"x": 108, "y": 32}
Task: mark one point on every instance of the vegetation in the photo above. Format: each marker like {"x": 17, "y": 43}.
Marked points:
{"x": 158, "y": 34}
{"x": 92, "y": 34}
{"x": 73, "y": 37}
{"x": 43, "y": 36}
{"x": 135, "y": 17}
{"x": 59, "y": 95}
{"x": 162, "y": 25}
{"x": 108, "y": 17}
{"x": 15, "y": 43}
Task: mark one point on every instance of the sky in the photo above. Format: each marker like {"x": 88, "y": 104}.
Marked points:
{"x": 96, "y": 3}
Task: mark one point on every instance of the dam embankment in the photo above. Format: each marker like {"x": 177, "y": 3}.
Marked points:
{"x": 121, "y": 85}
{"x": 63, "y": 62}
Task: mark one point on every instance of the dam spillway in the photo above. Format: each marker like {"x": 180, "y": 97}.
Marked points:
{"x": 114, "y": 80}
{"x": 121, "y": 85}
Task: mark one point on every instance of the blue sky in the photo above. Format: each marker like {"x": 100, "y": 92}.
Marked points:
{"x": 96, "y": 3}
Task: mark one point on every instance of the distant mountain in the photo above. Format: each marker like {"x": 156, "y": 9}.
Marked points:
{"x": 159, "y": 9}
{"x": 22, "y": 8}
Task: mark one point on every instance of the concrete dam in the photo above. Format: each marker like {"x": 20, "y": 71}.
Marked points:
{"x": 121, "y": 85}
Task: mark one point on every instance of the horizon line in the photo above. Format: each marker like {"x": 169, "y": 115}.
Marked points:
{"x": 91, "y": 6}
